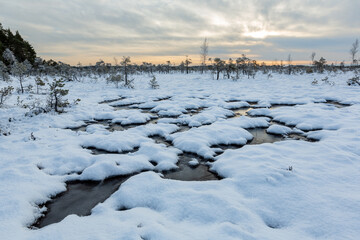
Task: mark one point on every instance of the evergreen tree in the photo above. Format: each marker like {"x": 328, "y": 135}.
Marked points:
{"x": 153, "y": 83}
{"x": 219, "y": 66}
{"x": 21, "y": 48}
{"x": 57, "y": 92}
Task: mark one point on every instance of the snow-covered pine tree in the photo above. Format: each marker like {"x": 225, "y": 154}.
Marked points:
{"x": 57, "y": 93}
{"x": 153, "y": 83}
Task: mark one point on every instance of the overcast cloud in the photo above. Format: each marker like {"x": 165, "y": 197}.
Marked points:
{"x": 87, "y": 30}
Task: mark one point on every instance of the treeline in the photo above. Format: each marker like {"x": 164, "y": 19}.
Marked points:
{"x": 18, "y": 58}
{"x": 21, "y": 49}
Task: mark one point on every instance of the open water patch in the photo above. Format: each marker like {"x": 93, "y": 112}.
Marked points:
{"x": 112, "y": 100}
{"x": 79, "y": 198}
{"x": 191, "y": 172}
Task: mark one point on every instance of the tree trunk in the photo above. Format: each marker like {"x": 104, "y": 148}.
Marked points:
{"x": 56, "y": 103}
{"x": 21, "y": 85}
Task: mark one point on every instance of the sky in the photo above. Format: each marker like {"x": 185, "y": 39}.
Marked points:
{"x": 159, "y": 31}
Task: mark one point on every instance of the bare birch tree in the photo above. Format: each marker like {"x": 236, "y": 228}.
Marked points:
{"x": 204, "y": 50}
{"x": 353, "y": 51}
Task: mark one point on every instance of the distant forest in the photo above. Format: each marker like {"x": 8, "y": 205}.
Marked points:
{"x": 20, "y": 47}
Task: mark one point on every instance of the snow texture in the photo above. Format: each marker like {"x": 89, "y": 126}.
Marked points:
{"x": 284, "y": 190}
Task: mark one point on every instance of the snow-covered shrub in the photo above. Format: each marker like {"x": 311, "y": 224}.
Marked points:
{"x": 5, "y": 92}
{"x": 115, "y": 78}
{"x": 326, "y": 80}
{"x": 35, "y": 107}
{"x": 29, "y": 88}
{"x": 355, "y": 81}
{"x": 129, "y": 83}
{"x": 9, "y": 56}
{"x": 153, "y": 83}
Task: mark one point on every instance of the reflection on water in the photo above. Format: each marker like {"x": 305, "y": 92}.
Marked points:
{"x": 79, "y": 199}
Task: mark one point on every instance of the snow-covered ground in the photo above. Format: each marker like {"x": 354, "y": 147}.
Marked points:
{"x": 292, "y": 189}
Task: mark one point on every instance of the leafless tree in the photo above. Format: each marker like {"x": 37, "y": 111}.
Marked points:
{"x": 353, "y": 51}
{"x": 289, "y": 60}
{"x": 204, "y": 50}
{"x": 168, "y": 64}
{"x": 312, "y": 57}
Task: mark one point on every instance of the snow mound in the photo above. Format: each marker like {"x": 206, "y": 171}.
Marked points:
{"x": 120, "y": 141}
{"x": 126, "y": 117}
{"x": 231, "y": 131}
{"x": 278, "y": 129}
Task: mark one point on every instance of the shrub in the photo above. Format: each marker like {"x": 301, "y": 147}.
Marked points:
{"x": 5, "y": 93}
{"x": 355, "y": 81}
{"x": 115, "y": 78}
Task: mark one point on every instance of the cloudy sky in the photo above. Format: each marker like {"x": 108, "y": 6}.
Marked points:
{"x": 266, "y": 30}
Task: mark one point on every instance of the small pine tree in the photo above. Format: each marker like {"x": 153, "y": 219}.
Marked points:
{"x": 153, "y": 83}
{"x": 39, "y": 83}
{"x": 219, "y": 66}
{"x": 125, "y": 63}
{"x": 57, "y": 93}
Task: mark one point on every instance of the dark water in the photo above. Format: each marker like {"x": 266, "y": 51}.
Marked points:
{"x": 261, "y": 136}
{"x": 161, "y": 140}
{"x": 186, "y": 172}
{"x": 337, "y": 104}
{"x": 112, "y": 100}
{"x": 274, "y": 106}
{"x": 79, "y": 199}
{"x": 98, "y": 151}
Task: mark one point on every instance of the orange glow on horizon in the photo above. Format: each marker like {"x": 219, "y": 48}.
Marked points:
{"x": 174, "y": 60}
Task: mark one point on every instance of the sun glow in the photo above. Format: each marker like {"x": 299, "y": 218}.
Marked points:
{"x": 219, "y": 21}
{"x": 261, "y": 34}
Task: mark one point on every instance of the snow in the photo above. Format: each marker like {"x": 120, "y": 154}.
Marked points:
{"x": 120, "y": 141}
{"x": 278, "y": 129}
{"x": 194, "y": 162}
{"x": 284, "y": 190}
{"x": 199, "y": 140}
{"x": 207, "y": 116}
{"x": 108, "y": 165}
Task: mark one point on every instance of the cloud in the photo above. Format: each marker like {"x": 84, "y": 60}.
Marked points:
{"x": 87, "y": 29}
